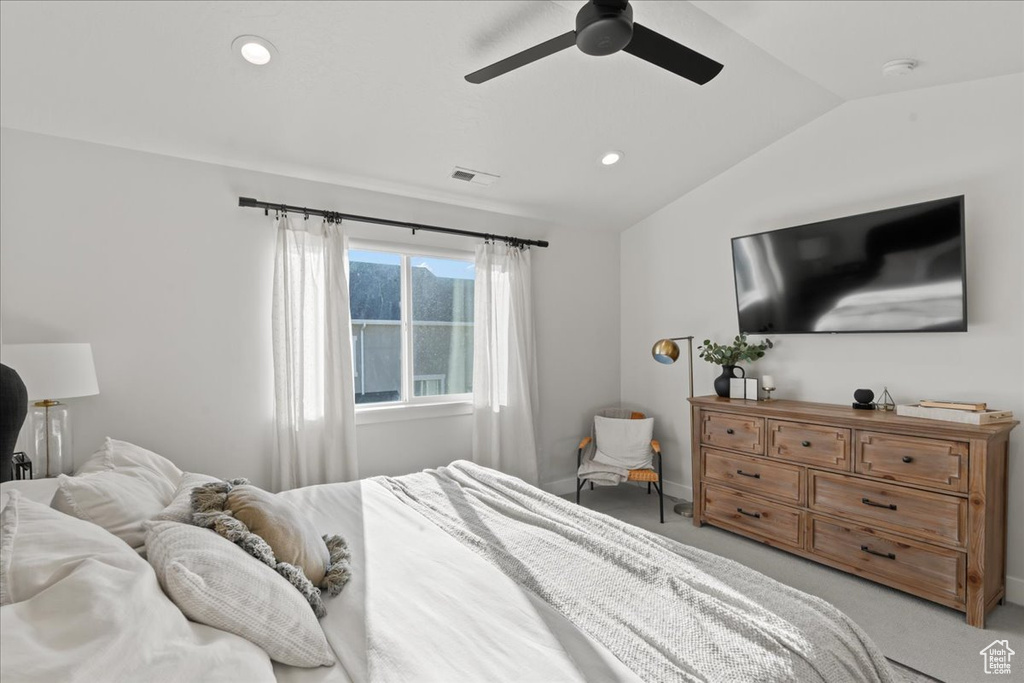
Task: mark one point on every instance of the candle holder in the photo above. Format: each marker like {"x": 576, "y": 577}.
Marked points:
{"x": 768, "y": 391}
{"x": 768, "y": 384}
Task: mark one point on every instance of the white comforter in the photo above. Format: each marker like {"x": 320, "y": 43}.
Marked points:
{"x": 423, "y": 606}
{"x": 84, "y": 607}
{"x": 428, "y": 601}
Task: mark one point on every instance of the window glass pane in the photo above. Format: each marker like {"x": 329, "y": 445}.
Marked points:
{"x": 442, "y": 319}
{"x": 375, "y": 296}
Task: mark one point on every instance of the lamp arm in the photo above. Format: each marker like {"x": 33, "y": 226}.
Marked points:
{"x": 689, "y": 355}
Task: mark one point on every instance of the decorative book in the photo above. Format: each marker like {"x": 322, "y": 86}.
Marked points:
{"x": 973, "y": 417}
{"x": 955, "y": 405}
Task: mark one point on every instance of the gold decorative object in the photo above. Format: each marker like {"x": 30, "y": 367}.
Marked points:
{"x": 666, "y": 351}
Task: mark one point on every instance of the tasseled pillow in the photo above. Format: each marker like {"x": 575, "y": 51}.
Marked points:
{"x": 275, "y": 532}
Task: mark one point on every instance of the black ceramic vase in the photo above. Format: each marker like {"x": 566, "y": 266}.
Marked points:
{"x": 722, "y": 381}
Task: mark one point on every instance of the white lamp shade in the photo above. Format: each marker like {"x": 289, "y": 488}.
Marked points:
{"x": 53, "y": 371}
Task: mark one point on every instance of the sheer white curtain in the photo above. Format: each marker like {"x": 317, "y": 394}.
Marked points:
{"x": 313, "y": 385}
{"x": 504, "y": 363}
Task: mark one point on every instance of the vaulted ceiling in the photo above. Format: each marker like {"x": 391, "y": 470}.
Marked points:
{"x": 371, "y": 94}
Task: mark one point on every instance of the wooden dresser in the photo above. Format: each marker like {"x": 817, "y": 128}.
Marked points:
{"x": 919, "y": 505}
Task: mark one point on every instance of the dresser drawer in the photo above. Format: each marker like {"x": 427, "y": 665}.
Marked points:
{"x": 908, "y": 565}
{"x": 757, "y": 475}
{"x": 735, "y": 432}
{"x": 911, "y": 459}
{"x": 809, "y": 444}
{"x": 749, "y": 514}
{"x": 933, "y": 516}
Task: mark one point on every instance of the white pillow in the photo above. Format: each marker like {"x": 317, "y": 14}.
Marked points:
{"x": 38, "y": 490}
{"x": 114, "y": 454}
{"x": 215, "y": 582}
{"x": 180, "y": 508}
{"x": 89, "y": 609}
{"x": 623, "y": 443}
{"x": 118, "y": 500}
{"x": 39, "y": 546}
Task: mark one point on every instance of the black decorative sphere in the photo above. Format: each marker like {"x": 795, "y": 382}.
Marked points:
{"x": 864, "y": 396}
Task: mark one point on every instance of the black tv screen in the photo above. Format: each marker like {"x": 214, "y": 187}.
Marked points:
{"x": 897, "y": 270}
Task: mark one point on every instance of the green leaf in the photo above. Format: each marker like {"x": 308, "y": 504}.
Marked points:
{"x": 739, "y": 351}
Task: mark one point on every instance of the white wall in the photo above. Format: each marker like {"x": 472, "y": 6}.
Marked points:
{"x": 867, "y": 154}
{"x": 150, "y": 260}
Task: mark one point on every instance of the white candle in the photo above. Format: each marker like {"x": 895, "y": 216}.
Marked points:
{"x": 768, "y": 382}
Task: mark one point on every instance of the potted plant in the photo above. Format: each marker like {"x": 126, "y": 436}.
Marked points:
{"x": 729, "y": 356}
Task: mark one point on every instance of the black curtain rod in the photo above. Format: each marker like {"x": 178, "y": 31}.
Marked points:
{"x": 337, "y": 215}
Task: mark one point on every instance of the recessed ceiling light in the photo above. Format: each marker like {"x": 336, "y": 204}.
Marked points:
{"x": 899, "y": 67}
{"x": 611, "y": 158}
{"x": 253, "y": 49}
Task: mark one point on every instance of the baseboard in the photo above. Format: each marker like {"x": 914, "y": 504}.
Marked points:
{"x": 564, "y": 487}
{"x": 1015, "y": 590}
{"x": 678, "y": 491}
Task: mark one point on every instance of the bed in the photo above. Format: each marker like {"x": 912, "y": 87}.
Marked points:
{"x": 459, "y": 573}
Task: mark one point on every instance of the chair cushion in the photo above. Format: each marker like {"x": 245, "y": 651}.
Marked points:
{"x": 643, "y": 475}
{"x": 623, "y": 443}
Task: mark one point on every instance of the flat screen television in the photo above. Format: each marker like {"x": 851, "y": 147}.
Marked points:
{"x": 896, "y": 270}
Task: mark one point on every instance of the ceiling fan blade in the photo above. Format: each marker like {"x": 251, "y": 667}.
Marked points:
{"x": 668, "y": 54}
{"x": 548, "y": 47}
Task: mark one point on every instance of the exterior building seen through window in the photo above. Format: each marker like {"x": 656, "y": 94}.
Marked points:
{"x": 412, "y": 326}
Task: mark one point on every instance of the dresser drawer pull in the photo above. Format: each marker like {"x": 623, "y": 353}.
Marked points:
{"x": 868, "y": 501}
{"x": 907, "y": 458}
{"x": 748, "y": 474}
{"x": 748, "y": 514}
{"x": 888, "y": 556}
{"x": 805, "y": 444}
{"x": 729, "y": 430}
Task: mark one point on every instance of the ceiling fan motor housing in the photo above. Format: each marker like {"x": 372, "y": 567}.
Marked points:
{"x": 603, "y": 28}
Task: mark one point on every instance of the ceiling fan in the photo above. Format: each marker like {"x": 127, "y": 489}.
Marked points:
{"x": 604, "y": 27}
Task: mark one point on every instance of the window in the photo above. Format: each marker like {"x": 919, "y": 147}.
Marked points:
{"x": 412, "y": 325}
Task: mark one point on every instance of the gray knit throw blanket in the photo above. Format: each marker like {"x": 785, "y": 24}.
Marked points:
{"x": 668, "y": 611}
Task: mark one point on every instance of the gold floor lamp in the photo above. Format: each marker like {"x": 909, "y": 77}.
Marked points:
{"x": 666, "y": 352}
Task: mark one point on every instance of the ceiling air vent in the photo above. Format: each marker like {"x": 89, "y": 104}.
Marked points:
{"x": 475, "y": 177}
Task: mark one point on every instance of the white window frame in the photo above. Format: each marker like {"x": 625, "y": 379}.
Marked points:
{"x": 412, "y": 407}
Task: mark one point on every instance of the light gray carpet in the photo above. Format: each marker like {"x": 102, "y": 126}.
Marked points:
{"x": 932, "y": 639}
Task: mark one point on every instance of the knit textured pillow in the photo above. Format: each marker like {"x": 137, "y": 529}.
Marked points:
{"x": 275, "y": 532}
{"x": 214, "y": 582}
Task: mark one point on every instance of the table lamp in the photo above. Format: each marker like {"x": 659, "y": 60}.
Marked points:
{"x": 666, "y": 352}
{"x": 52, "y": 372}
